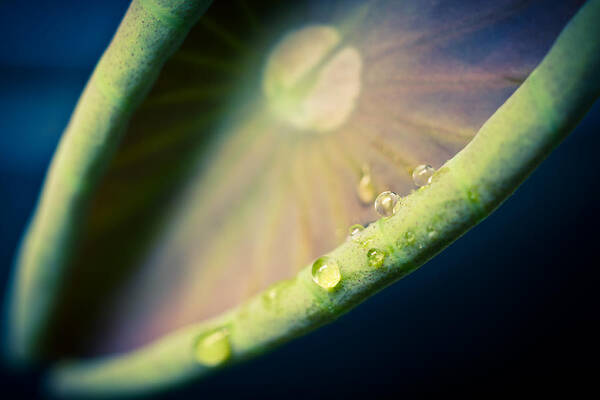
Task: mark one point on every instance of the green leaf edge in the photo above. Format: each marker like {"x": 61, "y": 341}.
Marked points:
{"x": 149, "y": 34}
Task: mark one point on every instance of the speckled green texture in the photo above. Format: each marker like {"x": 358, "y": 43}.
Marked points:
{"x": 466, "y": 189}
{"x": 149, "y": 33}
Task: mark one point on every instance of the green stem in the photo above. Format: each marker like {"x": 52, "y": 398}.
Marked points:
{"x": 465, "y": 190}
{"x": 149, "y": 33}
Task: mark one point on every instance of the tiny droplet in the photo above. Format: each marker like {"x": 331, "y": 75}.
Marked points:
{"x": 326, "y": 273}
{"x": 213, "y": 348}
{"x": 366, "y": 243}
{"x": 270, "y": 295}
{"x": 376, "y": 257}
{"x": 422, "y": 175}
{"x": 365, "y": 189}
{"x": 385, "y": 203}
{"x": 355, "y": 229}
{"x": 409, "y": 237}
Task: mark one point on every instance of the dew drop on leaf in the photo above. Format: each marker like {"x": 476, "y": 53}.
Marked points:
{"x": 326, "y": 272}
{"x": 409, "y": 237}
{"x": 213, "y": 348}
{"x": 376, "y": 257}
{"x": 385, "y": 203}
{"x": 270, "y": 296}
{"x": 422, "y": 175}
{"x": 366, "y": 243}
{"x": 354, "y": 230}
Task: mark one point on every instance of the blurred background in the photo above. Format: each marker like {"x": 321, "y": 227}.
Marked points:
{"x": 513, "y": 305}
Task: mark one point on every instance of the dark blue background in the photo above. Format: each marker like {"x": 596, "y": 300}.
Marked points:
{"x": 509, "y": 308}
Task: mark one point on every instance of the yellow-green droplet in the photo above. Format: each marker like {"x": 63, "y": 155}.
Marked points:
{"x": 213, "y": 348}
{"x": 365, "y": 189}
{"x": 269, "y": 296}
{"x": 385, "y": 203}
{"x": 422, "y": 175}
{"x": 354, "y": 230}
{"x": 366, "y": 243}
{"x": 326, "y": 272}
{"x": 409, "y": 237}
{"x": 376, "y": 257}
{"x": 272, "y": 294}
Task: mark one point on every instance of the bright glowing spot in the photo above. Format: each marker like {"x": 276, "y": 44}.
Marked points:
{"x": 311, "y": 80}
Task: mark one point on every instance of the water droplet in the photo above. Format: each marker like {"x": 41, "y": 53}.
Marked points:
{"x": 422, "y": 175}
{"x": 385, "y": 203}
{"x": 269, "y": 296}
{"x": 365, "y": 189}
{"x": 409, "y": 237}
{"x": 366, "y": 243}
{"x": 376, "y": 257}
{"x": 431, "y": 232}
{"x": 326, "y": 273}
{"x": 213, "y": 348}
{"x": 354, "y": 230}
